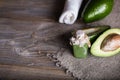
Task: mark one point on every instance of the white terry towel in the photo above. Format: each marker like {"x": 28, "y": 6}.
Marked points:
{"x": 70, "y": 11}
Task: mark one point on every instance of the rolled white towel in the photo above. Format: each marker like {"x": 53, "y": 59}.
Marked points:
{"x": 70, "y": 12}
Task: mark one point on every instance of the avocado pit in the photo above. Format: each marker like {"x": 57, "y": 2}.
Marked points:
{"x": 111, "y": 43}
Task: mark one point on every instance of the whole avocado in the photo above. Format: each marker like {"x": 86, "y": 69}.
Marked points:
{"x": 96, "y": 10}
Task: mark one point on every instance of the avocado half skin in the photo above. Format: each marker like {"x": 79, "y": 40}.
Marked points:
{"x": 95, "y": 48}
{"x": 93, "y": 36}
{"x": 97, "y": 10}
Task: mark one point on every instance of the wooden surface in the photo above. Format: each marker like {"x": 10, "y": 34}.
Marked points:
{"x": 29, "y": 29}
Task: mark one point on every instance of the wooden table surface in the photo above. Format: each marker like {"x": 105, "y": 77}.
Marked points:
{"x": 25, "y": 40}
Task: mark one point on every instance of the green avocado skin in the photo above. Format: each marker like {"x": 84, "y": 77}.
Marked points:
{"x": 97, "y": 10}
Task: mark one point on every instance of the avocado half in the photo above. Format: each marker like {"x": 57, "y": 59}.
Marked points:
{"x": 96, "y": 47}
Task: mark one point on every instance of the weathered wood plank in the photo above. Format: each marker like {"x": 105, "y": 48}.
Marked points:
{"x": 29, "y": 29}
{"x": 31, "y": 10}
{"x": 23, "y": 51}
{"x": 20, "y": 72}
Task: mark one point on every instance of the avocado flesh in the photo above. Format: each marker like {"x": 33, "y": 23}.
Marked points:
{"x": 96, "y": 47}
{"x": 96, "y": 10}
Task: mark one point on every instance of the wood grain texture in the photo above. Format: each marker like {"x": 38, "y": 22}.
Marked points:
{"x": 29, "y": 30}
